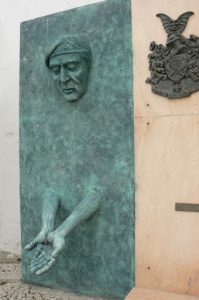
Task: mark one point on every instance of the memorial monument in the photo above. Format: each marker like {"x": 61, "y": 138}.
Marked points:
{"x": 76, "y": 150}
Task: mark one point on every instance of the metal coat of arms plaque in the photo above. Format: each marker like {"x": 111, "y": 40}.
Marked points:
{"x": 175, "y": 67}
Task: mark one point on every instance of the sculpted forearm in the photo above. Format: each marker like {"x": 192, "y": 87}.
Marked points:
{"x": 49, "y": 210}
{"x": 83, "y": 211}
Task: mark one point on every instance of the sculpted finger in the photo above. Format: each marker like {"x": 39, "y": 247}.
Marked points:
{"x": 45, "y": 253}
{"x": 39, "y": 266}
{"x": 57, "y": 250}
{"x": 47, "y": 267}
{"x": 38, "y": 251}
{"x": 38, "y": 260}
{"x": 34, "y": 269}
{"x": 31, "y": 245}
{"x": 41, "y": 253}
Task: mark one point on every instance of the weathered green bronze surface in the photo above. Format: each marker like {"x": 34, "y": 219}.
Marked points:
{"x": 187, "y": 207}
{"x": 76, "y": 150}
{"x": 175, "y": 67}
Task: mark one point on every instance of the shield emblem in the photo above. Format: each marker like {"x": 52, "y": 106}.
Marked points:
{"x": 176, "y": 66}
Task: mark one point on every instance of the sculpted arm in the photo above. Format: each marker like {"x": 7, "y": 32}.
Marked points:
{"x": 47, "y": 253}
{"x": 49, "y": 210}
{"x": 83, "y": 211}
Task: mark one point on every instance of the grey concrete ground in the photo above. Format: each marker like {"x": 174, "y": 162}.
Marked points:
{"x": 11, "y": 287}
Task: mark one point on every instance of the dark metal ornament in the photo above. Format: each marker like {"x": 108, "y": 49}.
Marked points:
{"x": 175, "y": 67}
{"x": 187, "y": 207}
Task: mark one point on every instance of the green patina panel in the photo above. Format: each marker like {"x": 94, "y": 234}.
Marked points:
{"x": 76, "y": 150}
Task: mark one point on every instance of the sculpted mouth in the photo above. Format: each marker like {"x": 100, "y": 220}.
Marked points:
{"x": 68, "y": 90}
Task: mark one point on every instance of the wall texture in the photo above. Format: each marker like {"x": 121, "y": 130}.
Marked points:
{"x": 166, "y": 161}
{"x": 12, "y": 13}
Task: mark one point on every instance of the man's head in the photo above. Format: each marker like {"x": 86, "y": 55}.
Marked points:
{"x": 70, "y": 61}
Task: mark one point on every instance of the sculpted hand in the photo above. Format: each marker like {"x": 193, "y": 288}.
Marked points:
{"x": 47, "y": 253}
{"x": 39, "y": 239}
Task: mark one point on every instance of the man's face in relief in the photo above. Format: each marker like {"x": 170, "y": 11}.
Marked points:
{"x": 70, "y": 72}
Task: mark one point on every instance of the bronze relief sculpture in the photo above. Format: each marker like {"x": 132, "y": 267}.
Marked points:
{"x": 175, "y": 67}
{"x": 76, "y": 150}
{"x": 70, "y": 62}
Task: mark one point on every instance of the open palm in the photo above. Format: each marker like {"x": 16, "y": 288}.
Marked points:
{"x": 47, "y": 251}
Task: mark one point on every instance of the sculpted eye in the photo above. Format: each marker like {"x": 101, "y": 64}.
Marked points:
{"x": 73, "y": 66}
{"x": 55, "y": 70}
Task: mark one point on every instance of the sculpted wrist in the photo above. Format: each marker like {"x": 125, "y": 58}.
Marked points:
{"x": 48, "y": 223}
{"x": 61, "y": 232}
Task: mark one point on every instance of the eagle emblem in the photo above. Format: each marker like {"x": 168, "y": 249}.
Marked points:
{"x": 174, "y": 67}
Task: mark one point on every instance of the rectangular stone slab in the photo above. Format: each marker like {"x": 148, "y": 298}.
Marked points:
{"x": 66, "y": 146}
{"x": 151, "y": 294}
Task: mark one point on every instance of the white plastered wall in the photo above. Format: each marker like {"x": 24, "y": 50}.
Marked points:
{"x": 12, "y": 13}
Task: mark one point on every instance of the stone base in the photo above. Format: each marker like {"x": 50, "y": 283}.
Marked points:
{"x": 9, "y": 273}
{"x": 147, "y": 294}
{"x": 11, "y": 288}
{"x": 21, "y": 291}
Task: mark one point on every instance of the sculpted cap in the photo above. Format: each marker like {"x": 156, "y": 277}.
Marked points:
{"x": 70, "y": 44}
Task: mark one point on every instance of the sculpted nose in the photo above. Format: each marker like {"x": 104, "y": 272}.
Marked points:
{"x": 64, "y": 77}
